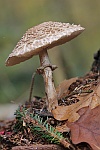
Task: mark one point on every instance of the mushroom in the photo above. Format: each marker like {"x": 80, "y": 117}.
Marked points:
{"x": 36, "y": 41}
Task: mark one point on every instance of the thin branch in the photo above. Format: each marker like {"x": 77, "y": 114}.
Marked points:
{"x": 31, "y": 87}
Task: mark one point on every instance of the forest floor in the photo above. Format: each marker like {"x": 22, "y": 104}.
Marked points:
{"x": 34, "y": 128}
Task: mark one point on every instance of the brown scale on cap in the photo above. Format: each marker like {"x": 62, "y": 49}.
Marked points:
{"x": 36, "y": 41}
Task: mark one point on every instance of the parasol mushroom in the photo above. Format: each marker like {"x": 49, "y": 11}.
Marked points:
{"x": 36, "y": 41}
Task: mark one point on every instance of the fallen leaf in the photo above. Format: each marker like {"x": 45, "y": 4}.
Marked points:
{"x": 70, "y": 112}
{"x": 63, "y": 87}
{"x": 62, "y": 128}
{"x": 87, "y": 128}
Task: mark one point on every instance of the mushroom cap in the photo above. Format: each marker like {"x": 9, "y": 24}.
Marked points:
{"x": 43, "y": 36}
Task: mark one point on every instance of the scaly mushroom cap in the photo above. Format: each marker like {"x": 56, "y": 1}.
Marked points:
{"x": 40, "y": 37}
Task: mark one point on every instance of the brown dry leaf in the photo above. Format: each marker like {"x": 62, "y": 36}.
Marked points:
{"x": 63, "y": 87}
{"x": 70, "y": 112}
{"x": 62, "y": 128}
{"x": 87, "y": 128}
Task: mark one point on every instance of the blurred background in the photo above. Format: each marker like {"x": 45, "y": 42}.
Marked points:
{"x": 73, "y": 58}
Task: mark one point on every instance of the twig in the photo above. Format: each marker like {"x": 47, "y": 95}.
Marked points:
{"x": 50, "y": 132}
{"x": 31, "y": 87}
{"x": 77, "y": 92}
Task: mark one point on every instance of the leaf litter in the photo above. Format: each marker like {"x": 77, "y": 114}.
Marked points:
{"x": 81, "y": 93}
{"x": 76, "y": 118}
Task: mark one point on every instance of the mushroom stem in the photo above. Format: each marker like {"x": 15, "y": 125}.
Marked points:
{"x": 48, "y": 79}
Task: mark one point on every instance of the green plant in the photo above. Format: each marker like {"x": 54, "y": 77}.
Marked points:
{"x": 37, "y": 126}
